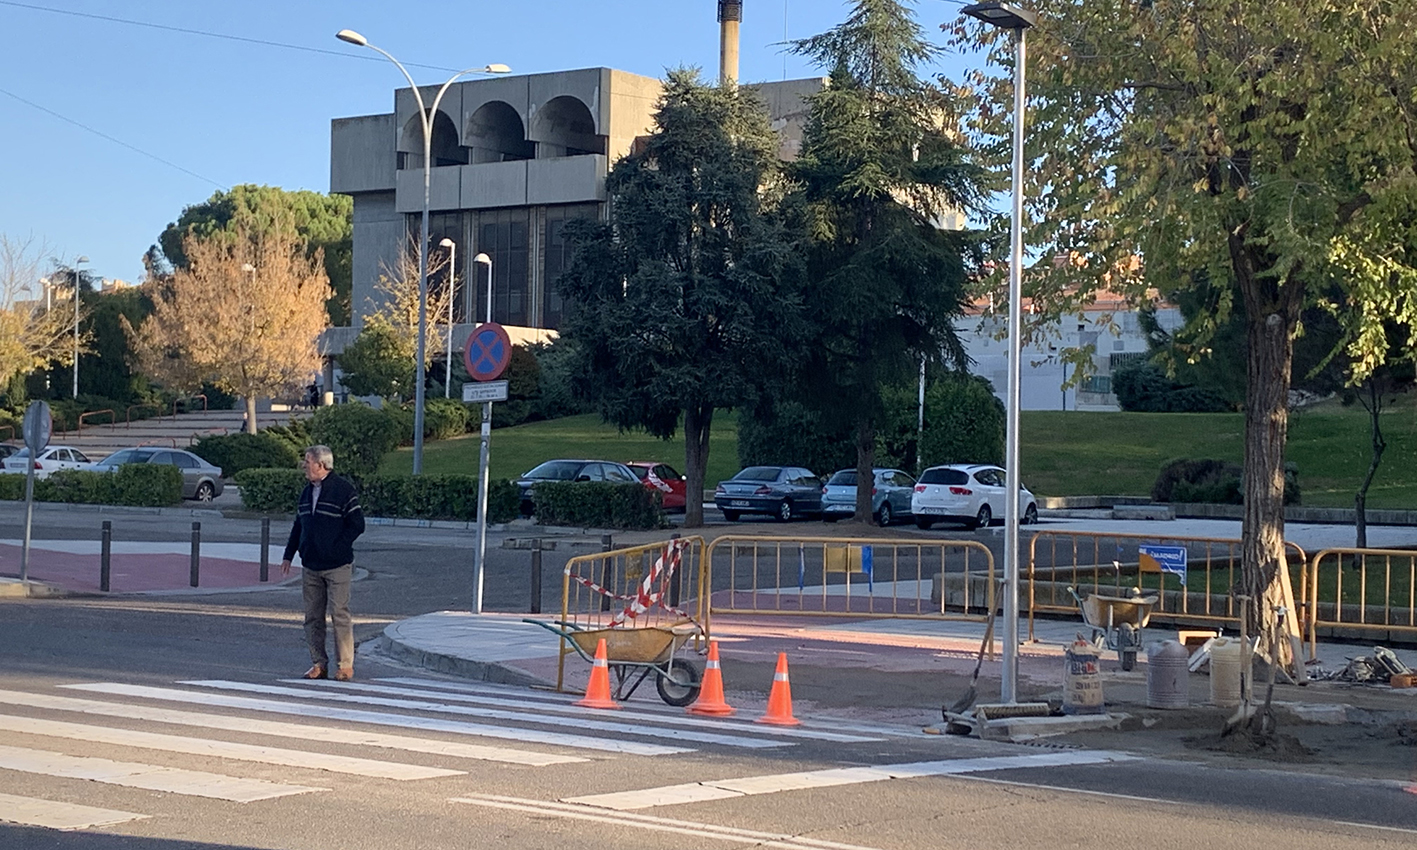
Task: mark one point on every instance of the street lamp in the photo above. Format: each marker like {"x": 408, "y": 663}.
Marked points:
{"x": 478, "y": 569}
{"x": 1016, "y": 20}
{"x": 76, "y": 323}
{"x": 425, "y": 116}
{"x": 452, "y": 287}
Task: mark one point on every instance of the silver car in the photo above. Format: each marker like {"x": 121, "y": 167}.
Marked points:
{"x": 890, "y": 495}
{"x": 200, "y": 480}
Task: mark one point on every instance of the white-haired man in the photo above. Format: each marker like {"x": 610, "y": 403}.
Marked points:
{"x": 327, "y": 521}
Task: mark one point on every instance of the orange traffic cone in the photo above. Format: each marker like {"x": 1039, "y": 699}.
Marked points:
{"x": 780, "y": 700}
{"x": 710, "y": 699}
{"x": 597, "y": 692}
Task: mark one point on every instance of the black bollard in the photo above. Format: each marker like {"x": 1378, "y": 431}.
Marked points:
{"x": 105, "y": 558}
{"x": 607, "y": 571}
{"x": 536, "y": 575}
{"x": 196, "y": 553}
{"x": 265, "y": 548}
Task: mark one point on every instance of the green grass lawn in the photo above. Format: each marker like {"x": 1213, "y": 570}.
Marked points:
{"x": 1063, "y": 453}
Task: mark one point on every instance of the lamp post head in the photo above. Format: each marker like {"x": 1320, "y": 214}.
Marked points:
{"x": 497, "y": 68}
{"x": 447, "y": 243}
{"x": 1002, "y": 15}
{"x": 81, "y": 260}
{"x": 483, "y": 259}
{"x": 352, "y": 37}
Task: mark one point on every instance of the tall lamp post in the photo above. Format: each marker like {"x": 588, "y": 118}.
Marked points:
{"x": 452, "y": 288}
{"x": 483, "y": 260}
{"x": 425, "y": 115}
{"x": 1017, "y": 21}
{"x": 76, "y": 323}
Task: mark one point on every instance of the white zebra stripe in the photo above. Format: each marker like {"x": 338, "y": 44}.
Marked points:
{"x": 52, "y": 814}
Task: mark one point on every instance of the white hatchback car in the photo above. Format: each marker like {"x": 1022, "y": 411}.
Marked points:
{"x": 966, "y": 492}
{"x": 50, "y": 460}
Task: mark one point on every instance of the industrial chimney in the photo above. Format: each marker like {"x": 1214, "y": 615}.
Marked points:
{"x": 730, "y": 14}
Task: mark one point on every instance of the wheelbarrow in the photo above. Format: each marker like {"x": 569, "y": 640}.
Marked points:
{"x": 633, "y": 654}
{"x": 1116, "y": 621}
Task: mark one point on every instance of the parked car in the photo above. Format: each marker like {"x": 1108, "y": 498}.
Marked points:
{"x": 663, "y": 478}
{"x": 50, "y": 460}
{"x": 969, "y": 493}
{"x": 200, "y": 480}
{"x": 569, "y": 470}
{"x": 891, "y": 491}
{"x": 784, "y": 492}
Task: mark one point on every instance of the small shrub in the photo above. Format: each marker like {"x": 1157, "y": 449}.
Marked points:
{"x": 444, "y": 418}
{"x": 237, "y": 452}
{"x": 1214, "y": 482}
{"x": 139, "y": 484}
{"x": 358, "y": 435}
{"x": 270, "y": 490}
{"x": 964, "y": 422}
{"x": 295, "y": 433}
{"x": 598, "y": 504}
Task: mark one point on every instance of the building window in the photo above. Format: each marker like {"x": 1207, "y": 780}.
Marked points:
{"x": 1096, "y": 384}
{"x": 558, "y": 258}
{"x": 503, "y": 236}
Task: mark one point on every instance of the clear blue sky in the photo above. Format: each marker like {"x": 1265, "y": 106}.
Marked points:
{"x": 238, "y": 111}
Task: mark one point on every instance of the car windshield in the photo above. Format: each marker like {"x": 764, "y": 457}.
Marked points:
{"x": 127, "y": 456}
{"x": 844, "y": 478}
{"x": 944, "y": 476}
{"x": 640, "y": 471}
{"x": 758, "y": 473}
{"x": 556, "y": 470}
{"x": 22, "y": 453}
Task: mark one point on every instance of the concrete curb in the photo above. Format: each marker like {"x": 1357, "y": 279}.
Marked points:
{"x": 392, "y": 645}
{"x": 1018, "y": 729}
{"x": 13, "y": 588}
{"x": 123, "y": 509}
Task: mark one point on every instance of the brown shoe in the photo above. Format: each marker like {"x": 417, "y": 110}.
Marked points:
{"x": 344, "y": 674}
{"x": 315, "y": 672}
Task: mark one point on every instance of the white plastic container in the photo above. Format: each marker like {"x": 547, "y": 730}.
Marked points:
{"x": 1227, "y": 656}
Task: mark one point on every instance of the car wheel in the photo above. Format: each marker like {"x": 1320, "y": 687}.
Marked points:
{"x": 205, "y": 492}
{"x": 984, "y": 517}
{"x": 784, "y": 511}
{"x": 1030, "y": 515}
{"x": 884, "y": 517}
{"x": 924, "y": 524}
{"x": 731, "y": 516}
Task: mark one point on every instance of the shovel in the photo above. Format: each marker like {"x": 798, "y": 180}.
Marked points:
{"x": 963, "y": 703}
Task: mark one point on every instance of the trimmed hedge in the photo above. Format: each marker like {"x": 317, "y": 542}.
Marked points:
{"x": 138, "y": 485}
{"x": 421, "y": 497}
{"x": 237, "y": 452}
{"x": 358, "y": 435}
{"x": 598, "y": 504}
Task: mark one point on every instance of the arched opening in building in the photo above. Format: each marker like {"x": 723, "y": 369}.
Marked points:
{"x": 563, "y": 126}
{"x": 445, "y": 148}
{"x": 495, "y": 134}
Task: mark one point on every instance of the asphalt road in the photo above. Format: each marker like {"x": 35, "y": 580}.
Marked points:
{"x": 958, "y": 793}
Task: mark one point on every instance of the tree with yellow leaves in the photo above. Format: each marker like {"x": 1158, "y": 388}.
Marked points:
{"x": 243, "y": 315}
{"x": 32, "y": 334}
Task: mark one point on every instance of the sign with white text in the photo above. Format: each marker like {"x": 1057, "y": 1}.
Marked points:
{"x": 485, "y": 391}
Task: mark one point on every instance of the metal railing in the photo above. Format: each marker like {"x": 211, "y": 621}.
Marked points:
{"x": 1358, "y": 590}
{"x": 128, "y": 414}
{"x": 180, "y": 399}
{"x": 597, "y": 588}
{"x": 111, "y": 423}
{"x": 858, "y": 577}
{"x": 1110, "y": 564}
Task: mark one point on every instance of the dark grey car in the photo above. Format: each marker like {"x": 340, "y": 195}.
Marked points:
{"x": 570, "y": 470}
{"x": 200, "y": 480}
{"x": 784, "y": 492}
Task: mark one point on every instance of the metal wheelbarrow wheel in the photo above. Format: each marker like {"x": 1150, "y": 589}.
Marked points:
{"x": 679, "y": 684}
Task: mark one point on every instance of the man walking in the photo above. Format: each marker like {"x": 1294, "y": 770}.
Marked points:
{"x": 327, "y": 521}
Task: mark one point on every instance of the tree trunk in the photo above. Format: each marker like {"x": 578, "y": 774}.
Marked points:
{"x": 1271, "y": 318}
{"x": 697, "y": 422}
{"x": 865, "y": 469}
{"x": 1374, "y": 406}
{"x": 250, "y": 426}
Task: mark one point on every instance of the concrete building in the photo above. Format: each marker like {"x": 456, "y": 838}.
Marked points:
{"x": 514, "y": 160}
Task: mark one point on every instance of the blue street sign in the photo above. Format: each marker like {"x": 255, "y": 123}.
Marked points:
{"x": 1163, "y": 559}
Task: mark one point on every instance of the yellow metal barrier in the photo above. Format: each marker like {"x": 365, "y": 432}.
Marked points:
{"x": 858, "y": 577}
{"x": 1108, "y": 563}
{"x": 621, "y": 573}
{"x": 1358, "y": 590}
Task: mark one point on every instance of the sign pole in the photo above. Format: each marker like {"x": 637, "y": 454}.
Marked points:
{"x": 482, "y": 505}
{"x": 487, "y": 353}
{"x": 37, "y": 427}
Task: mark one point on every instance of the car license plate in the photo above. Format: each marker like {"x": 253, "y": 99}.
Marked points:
{"x": 738, "y": 503}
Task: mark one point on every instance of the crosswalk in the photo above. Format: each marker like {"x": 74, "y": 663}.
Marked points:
{"x": 458, "y": 724}
{"x": 229, "y": 736}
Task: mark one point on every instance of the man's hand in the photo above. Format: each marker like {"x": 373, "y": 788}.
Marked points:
{"x": 285, "y": 568}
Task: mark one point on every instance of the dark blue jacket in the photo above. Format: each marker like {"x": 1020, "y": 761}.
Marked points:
{"x": 325, "y": 535}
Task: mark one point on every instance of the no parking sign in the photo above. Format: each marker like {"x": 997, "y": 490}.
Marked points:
{"x": 487, "y": 353}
